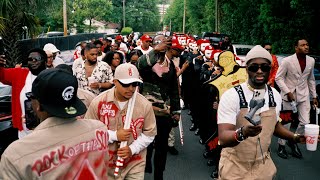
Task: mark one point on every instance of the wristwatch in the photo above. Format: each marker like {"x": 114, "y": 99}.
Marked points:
{"x": 240, "y": 136}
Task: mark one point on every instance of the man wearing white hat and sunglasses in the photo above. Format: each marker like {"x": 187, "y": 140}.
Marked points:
{"x": 55, "y": 51}
{"x": 248, "y": 117}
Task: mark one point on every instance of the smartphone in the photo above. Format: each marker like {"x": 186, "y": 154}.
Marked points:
{"x": 2, "y": 50}
{"x": 32, "y": 121}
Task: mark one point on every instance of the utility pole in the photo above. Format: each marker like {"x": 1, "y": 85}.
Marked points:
{"x": 216, "y": 16}
{"x": 65, "y": 29}
{"x": 184, "y": 17}
{"x": 124, "y": 12}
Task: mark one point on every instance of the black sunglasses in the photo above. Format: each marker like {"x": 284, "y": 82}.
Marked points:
{"x": 255, "y": 67}
{"x": 269, "y": 49}
{"x": 134, "y": 84}
{"x": 37, "y": 58}
{"x": 30, "y": 96}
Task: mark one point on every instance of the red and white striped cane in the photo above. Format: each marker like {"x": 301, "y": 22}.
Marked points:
{"x": 126, "y": 125}
{"x": 181, "y": 130}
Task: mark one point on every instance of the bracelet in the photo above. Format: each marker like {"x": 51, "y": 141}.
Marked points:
{"x": 99, "y": 85}
{"x": 296, "y": 138}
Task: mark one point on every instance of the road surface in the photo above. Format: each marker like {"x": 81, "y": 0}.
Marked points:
{"x": 191, "y": 165}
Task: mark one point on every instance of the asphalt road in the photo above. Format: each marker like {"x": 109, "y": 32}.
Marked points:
{"x": 191, "y": 165}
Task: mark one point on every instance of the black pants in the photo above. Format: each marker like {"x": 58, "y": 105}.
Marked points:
{"x": 161, "y": 146}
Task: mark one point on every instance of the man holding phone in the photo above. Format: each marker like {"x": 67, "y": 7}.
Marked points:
{"x": 245, "y": 153}
{"x": 21, "y": 80}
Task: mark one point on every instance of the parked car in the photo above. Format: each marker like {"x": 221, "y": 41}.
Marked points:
{"x": 8, "y": 134}
{"x": 52, "y": 34}
{"x": 241, "y": 50}
{"x": 112, "y": 35}
{"x": 213, "y": 37}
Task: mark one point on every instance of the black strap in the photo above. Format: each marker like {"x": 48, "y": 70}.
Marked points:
{"x": 272, "y": 103}
{"x": 243, "y": 102}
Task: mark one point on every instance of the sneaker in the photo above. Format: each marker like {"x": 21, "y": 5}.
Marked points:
{"x": 295, "y": 151}
{"x": 172, "y": 150}
{"x": 282, "y": 152}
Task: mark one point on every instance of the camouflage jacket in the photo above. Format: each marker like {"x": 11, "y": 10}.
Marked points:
{"x": 162, "y": 91}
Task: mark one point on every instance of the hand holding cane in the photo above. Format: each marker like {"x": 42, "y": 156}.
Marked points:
{"x": 127, "y": 123}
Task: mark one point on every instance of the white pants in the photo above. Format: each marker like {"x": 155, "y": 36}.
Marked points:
{"x": 303, "y": 116}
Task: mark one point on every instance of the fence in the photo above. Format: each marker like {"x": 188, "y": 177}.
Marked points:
{"x": 62, "y": 43}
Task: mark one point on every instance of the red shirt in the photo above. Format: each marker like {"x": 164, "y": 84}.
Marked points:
{"x": 16, "y": 78}
{"x": 302, "y": 62}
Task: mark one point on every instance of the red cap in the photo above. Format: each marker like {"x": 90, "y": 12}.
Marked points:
{"x": 145, "y": 37}
{"x": 176, "y": 45}
{"x": 214, "y": 52}
{"x": 209, "y": 48}
{"x": 118, "y": 37}
{"x": 199, "y": 41}
{"x": 206, "y": 41}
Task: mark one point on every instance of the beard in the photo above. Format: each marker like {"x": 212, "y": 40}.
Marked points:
{"x": 36, "y": 71}
{"x": 259, "y": 83}
{"x": 92, "y": 62}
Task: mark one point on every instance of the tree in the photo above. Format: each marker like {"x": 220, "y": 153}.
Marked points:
{"x": 17, "y": 16}
{"x": 89, "y": 10}
{"x": 142, "y": 15}
{"x": 253, "y": 21}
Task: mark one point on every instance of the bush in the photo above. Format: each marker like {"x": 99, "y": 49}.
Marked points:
{"x": 126, "y": 30}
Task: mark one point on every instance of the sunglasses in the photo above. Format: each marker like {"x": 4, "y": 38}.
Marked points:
{"x": 156, "y": 42}
{"x": 255, "y": 67}
{"x": 30, "y": 96}
{"x": 37, "y": 58}
{"x": 148, "y": 41}
{"x": 134, "y": 84}
{"x": 269, "y": 49}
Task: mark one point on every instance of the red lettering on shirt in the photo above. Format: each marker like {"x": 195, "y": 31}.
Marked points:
{"x": 102, "y": 138}
{"x": 48, "y": 161}
{"x": 106, "y": 110}
{"x": 62, "y": 154}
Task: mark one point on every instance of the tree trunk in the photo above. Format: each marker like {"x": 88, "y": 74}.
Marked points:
{"x": 90, "y": 25}
{"x": 11, "y": 34}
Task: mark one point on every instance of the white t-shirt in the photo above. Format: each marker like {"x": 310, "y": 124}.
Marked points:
{"x": 123, "y": 47}
{"x": 144, "y": 51}
{"x": 57, "y": 61}
{"x": 229, "y": 105}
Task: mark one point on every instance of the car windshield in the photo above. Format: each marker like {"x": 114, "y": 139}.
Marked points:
{"x": 214, "y": 39}
{"x": 242, "y": 51}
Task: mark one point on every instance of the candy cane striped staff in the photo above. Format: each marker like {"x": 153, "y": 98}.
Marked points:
{"x": 180, "y": 123}
{"x": 126, "y": 125}
{"x": 181, "y": 130}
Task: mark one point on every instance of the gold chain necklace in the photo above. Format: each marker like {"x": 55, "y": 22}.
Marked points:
{"x": 249, "y": 87}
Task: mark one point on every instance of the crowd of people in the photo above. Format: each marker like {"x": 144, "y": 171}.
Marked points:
{"x": 119, "y": 104}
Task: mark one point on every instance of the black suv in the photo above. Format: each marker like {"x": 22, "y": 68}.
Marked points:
{"x": 213, "y": 37}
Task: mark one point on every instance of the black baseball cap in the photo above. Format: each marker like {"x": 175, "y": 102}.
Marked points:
{"x": 56, "y": 90}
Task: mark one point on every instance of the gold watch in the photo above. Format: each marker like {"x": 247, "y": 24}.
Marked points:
{"x": 296, "y": 138}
